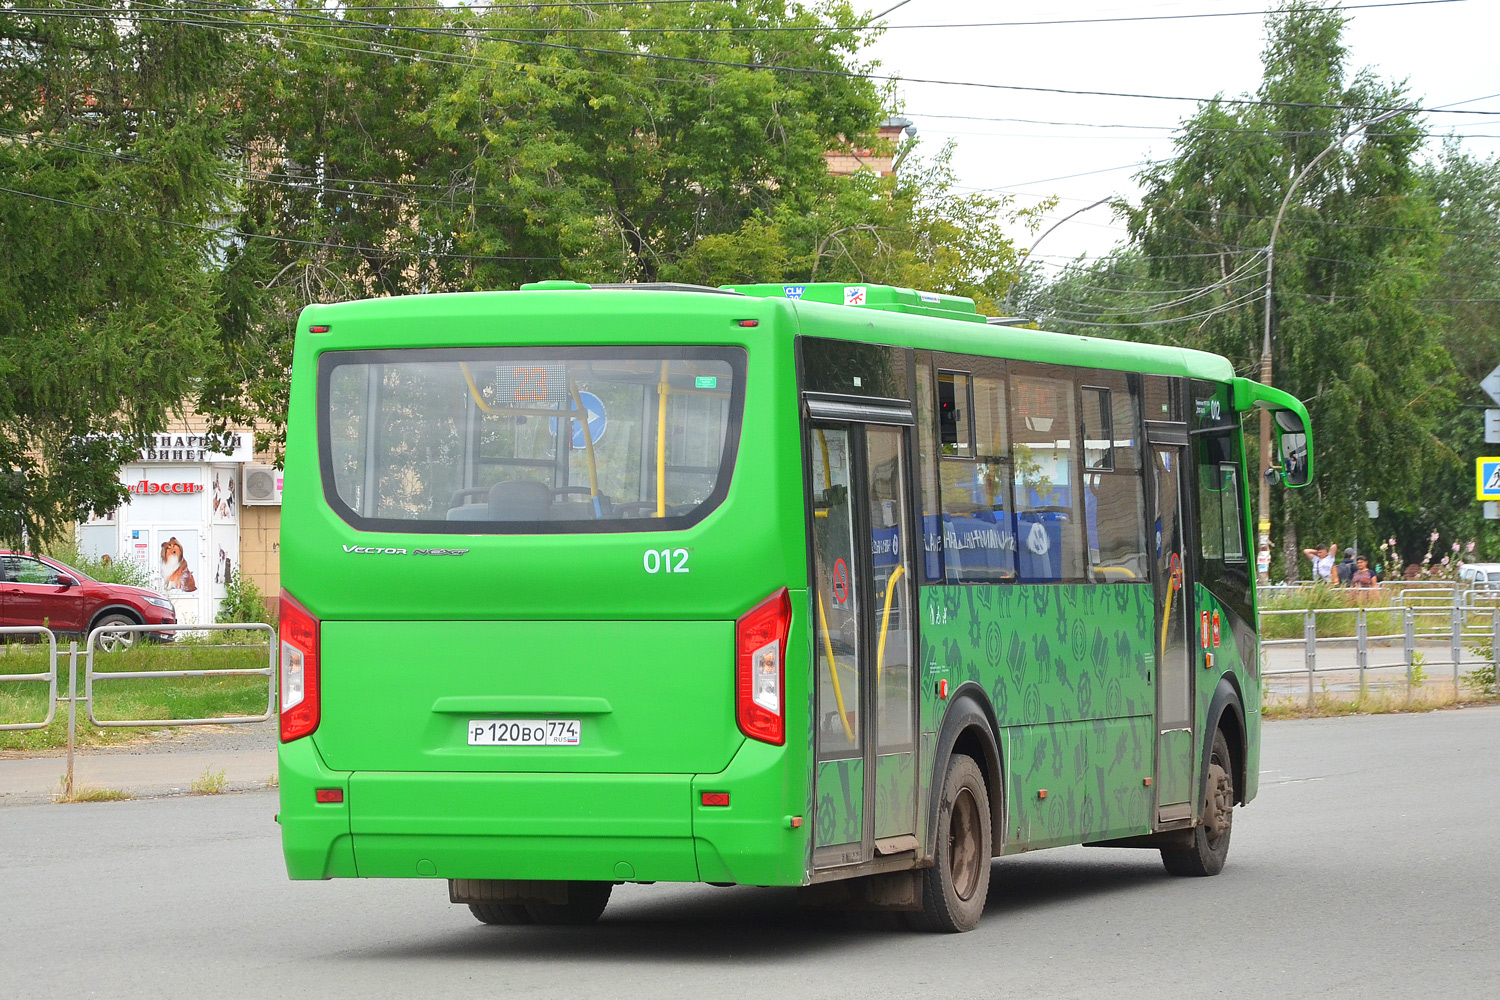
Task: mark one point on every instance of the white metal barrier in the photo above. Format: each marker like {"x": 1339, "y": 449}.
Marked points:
{"x": 90, "y": 675}
{"x": 50, "y": 677}
{"x": 1469, "y": 620}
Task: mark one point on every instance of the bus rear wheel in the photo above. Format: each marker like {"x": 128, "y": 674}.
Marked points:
{"x": 1211, "y": 837}
{"x": 500, "y": 913}
{"x": 955, "y": 888}
{"x": 586, "y": 901}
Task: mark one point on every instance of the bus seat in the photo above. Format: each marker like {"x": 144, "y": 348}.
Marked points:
{"x": 520, "y": 500}
{"x": 572, "y": 511}
{"x": 470, "y": 512}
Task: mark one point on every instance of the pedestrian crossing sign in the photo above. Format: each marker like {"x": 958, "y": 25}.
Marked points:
{"x": 1487, "y": 478}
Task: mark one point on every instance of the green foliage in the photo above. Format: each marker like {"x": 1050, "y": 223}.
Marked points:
{"x": 214, "y": 173}
{"x": 1356, "y": 333}
{"x": 113, "y": 132}
{"x": 519, "y": 147}
{"x": 243, "y": 603}
{"x": 126, "y": 571}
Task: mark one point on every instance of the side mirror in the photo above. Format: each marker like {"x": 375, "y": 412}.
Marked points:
{"x": 1291, "y": 449}
{"x": 64, "y": 580}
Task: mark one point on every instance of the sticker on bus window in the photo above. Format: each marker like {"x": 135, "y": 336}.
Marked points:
{"x": 706, "y": 382}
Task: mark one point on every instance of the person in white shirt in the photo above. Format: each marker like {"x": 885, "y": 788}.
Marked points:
{"x": 1322, "y": 563}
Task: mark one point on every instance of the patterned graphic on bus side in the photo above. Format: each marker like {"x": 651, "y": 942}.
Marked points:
{"x": 1068, "y": 671}
{"x": 1235, "y": 636}
{"x": 841, "y": 802}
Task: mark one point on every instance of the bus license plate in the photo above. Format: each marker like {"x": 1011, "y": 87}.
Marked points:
{"x": 523, "y": 732}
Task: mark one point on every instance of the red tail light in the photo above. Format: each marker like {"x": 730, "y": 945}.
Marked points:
{"x": 300, "y": 709}
{"x": 760, "y": 675}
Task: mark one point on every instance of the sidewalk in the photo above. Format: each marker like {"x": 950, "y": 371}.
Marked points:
{"x": 162, "y": 766}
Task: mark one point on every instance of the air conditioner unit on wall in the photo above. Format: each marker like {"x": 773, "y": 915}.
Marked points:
{"x": 262, "y": 485}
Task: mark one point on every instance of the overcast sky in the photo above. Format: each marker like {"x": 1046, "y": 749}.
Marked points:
{"x": 1445, "y": 51}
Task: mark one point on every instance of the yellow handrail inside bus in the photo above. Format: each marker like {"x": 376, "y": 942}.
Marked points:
{"x": 885, "y": 621}
{"x": 474, "y": 389}
{"x": 588, "y": 444}
{"x": 1166, "y": 616}
{"x": 833, "y": 670}
{"x": 663, "y": 389}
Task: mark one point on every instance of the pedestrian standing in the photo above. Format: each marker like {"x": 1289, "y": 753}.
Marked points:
{"x": 1322, "y": 562}
{"x": 1345, "y": 569}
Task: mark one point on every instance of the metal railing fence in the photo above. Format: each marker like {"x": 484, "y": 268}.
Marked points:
{"x": 1449, "y": 619}
{"x": 50, "y": 677}
{"x": 93, "y": 676}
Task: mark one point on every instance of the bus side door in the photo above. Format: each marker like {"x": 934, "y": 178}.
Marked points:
{"x": 1167, "y": 447}
{"x": 863, "y": 598}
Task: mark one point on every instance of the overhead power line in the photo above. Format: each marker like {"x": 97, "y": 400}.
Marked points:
{"x": 864, "y": 25}
{"x": 800, "y": 70}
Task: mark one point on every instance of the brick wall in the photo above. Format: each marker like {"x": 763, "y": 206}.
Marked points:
{"x": 260, "y": 549}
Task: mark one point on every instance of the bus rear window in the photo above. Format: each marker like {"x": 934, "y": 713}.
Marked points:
{"x": 494, "y": 440}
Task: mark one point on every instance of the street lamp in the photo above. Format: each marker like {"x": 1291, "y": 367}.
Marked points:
{"x": 1263, "y": 510}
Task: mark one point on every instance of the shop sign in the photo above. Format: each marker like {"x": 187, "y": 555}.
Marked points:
{"x": 144, "y": 487}
{"x": 196, "y": 448}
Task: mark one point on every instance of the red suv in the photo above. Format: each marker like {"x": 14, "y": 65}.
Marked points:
{"x": 35, "y": 590}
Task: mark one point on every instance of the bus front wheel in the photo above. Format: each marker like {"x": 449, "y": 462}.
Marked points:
{"x": 955, "y": 887}
{"x": 1211, "y": 837}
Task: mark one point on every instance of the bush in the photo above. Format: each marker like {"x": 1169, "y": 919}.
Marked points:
{"x": 1322, "y": 597}
{"x": 126, "y": 571}
{"x": 1481, "y": 680}
{"x": 243, "y": 602}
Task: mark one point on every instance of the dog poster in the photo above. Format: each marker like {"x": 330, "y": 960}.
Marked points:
{"x": 222, "y": 496}
{"x": 177, "y": 561}
{"x": 223, "y": 567}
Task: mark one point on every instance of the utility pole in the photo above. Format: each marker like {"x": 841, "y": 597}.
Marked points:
{"x": 1263, "y": 507}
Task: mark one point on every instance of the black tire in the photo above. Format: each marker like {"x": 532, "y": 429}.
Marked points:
{"x": 586, "y": 901}
{"x": 117, "y": 641}
{"x": 955, "y": 888}
{"x": 500, "y": 913}
{"x": 1211, "y": 836}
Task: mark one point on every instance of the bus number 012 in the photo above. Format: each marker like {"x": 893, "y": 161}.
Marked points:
{"x": 666, "y": 560}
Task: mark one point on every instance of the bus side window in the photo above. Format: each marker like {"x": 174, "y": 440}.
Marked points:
{"x": 1115, "y": 497}
{"x": 979, "y": 537}
{"x": 1046, "y": 466}
{"x": 955, "y": 416}
{"x": 1223, "y": 565}
{"x": 927, "y": 472}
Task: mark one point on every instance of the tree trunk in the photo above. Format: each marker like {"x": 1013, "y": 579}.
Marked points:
{"x": 1289, "y": 550}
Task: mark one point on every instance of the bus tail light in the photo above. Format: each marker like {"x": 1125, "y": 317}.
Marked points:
{"x": 300, "y": 707}
{"x": 760, "y": 674}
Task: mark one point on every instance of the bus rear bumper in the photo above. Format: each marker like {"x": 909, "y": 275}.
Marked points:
{"x": 597, "y": 827}
{"x": 315, "y": 837}
{"x": 522, "y": 826}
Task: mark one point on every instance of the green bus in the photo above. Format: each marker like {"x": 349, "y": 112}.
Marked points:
{"x": 824, "y": 585}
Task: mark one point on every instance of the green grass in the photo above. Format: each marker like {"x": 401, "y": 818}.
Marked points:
{"x": 210, "y": 782}
{"x": 1343, "y": 625}
{"x": 1377, "y": 701}
{"x": 166, "y": 698}
{"x": 86, "y": 794}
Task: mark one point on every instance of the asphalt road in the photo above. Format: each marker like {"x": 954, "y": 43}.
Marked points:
{"x": 1368, "y": 867}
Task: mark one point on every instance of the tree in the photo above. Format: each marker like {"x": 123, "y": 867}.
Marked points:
{"x": 112, "y": 135}
{"x": 1357, "y": 254}
{"x": 434, "y": 148}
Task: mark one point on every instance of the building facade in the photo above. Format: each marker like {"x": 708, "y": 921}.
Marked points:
{"x": 195, "y": 517}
